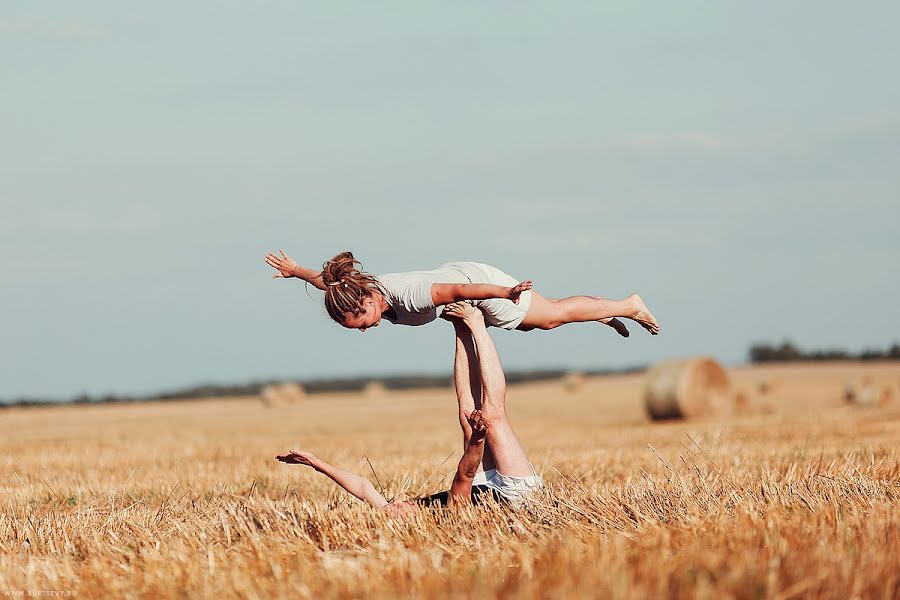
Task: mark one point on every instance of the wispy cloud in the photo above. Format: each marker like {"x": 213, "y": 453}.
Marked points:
{"x": 692, "y": 140}
{"x": 74, "y": 30}
{"x": 82, "y": 218}
{"x": 870, "y": 126}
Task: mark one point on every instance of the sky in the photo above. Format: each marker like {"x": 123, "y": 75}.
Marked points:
{"x": 738, "y": 164}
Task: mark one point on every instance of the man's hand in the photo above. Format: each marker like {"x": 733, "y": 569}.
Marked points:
{"x": 284, "y": 264}
{"x": 516, "y": 291}
{"x": 298, "y": 457}
{"x": 478, "y": 425}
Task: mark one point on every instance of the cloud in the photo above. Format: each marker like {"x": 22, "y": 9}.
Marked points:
{"x": 607, "y": 239}
{"x": 70, "y": 30}
{"x": 82, "y": 218}
{"x": 688, "y": 140}
{"x": 861, "y": 128}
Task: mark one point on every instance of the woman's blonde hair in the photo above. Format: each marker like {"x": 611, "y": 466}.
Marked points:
{"x": 346, "y": 286}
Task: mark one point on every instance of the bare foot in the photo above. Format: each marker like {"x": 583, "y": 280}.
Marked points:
{"x": 642, "y": 315}
{"x": 616, "y": 324}
{"x": 463, "y": 310}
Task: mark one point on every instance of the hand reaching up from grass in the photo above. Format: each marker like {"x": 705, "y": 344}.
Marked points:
{"x": 360, "y": 487}
{"x": 298, "y": 457}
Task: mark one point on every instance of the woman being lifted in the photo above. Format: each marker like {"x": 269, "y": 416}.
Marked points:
{"x": 357, "y": 300}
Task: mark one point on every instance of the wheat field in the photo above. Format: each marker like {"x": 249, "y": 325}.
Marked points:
{"x": 795, "y": 496}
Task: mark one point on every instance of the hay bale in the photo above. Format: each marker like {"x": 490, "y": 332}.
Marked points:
{"x": 866, "y": 393}
{"x": 768, "y": 385}
{"x": 686, "y": 388}
{"x": 269, "y": 395}
{"x": 742, "y": 401}
{"x": 573, "y": 382}
{"x": 293, "y": 392}
{"x": 375, "y": 389}
{"x": 281, "y": 394}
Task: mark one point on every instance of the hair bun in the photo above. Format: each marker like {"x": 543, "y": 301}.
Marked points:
{"x": 346, "y": 285}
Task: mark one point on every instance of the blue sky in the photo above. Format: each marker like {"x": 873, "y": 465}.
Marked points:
{"x": 736, "y": 163}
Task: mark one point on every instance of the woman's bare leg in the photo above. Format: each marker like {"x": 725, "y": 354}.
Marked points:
{"x": 467, "y": 381}
{"x": 549, "y": 313}
{"x": 508, "y": 453}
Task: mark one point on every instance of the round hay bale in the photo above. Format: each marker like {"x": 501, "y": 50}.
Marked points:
{"x": 269, "y": 395}
{"x": 292, "y": 392}
{"x": 686, "y": 388}
{"x": 281, "y": 394}
{"x": 573, "y": 382}
{"x": 867, "y": 394}
{"x": 768, "y": 385}
{"x": 375, "y": 389}
{"x": 742, "y": 401}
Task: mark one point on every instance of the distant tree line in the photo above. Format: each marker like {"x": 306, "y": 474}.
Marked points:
{"x": 787, "y": 352}
{"x": 310, "y": 386}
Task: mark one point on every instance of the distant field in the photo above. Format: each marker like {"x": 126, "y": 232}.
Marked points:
{"x": 798, "y": 495}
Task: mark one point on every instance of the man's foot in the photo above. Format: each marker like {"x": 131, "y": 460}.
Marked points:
{"x": 642, "y": 314}
{"x": 616, "y": 324}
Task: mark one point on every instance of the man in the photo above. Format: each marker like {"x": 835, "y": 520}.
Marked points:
{"x": 493, "y": 462}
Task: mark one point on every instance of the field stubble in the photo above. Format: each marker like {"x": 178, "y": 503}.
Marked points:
{"x": 798, "y": 497}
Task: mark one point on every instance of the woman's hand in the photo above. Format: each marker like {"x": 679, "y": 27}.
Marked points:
{"x": 516, "y": 291}
{"x": 298, "y": 457}
{"x": 284, "y": 264}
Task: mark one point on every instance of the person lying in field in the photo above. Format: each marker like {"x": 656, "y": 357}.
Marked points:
{"x": 357, "y": 300}
{"x": 493, "y": 463}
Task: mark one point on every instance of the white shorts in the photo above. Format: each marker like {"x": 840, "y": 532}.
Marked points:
{"x": 498, "y": 312}
{"x": 513, "y": 489}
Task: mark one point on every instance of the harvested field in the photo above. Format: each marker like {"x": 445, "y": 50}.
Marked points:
{"x": 797, "y": 495}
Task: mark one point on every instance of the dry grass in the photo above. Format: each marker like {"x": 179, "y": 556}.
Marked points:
{"x": 799, "y": 498}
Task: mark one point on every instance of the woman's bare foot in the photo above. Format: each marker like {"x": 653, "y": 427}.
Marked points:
{"x": 642, "y": 314}
{"x": 463, "y": 310}
{"x": 616, "y": 324}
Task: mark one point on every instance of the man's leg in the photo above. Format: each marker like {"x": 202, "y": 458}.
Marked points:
{"x": 467, "y": 381}
{"x": 508, "y": 454}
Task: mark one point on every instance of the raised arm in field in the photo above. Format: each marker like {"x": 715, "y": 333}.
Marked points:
{"x": 360, "y": 487}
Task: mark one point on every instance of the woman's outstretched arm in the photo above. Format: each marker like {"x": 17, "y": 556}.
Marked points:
{"x": 360, "y": 487}
{"x": 287, "y": 268}
{"x": 446, "y": 293}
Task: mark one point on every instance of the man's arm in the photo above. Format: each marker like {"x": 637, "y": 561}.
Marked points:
{"x": 446, "y": 293}
{"x": 287, "y": 268}
{"x": 461, "y": 489}
{"x": 358, "y": 486}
